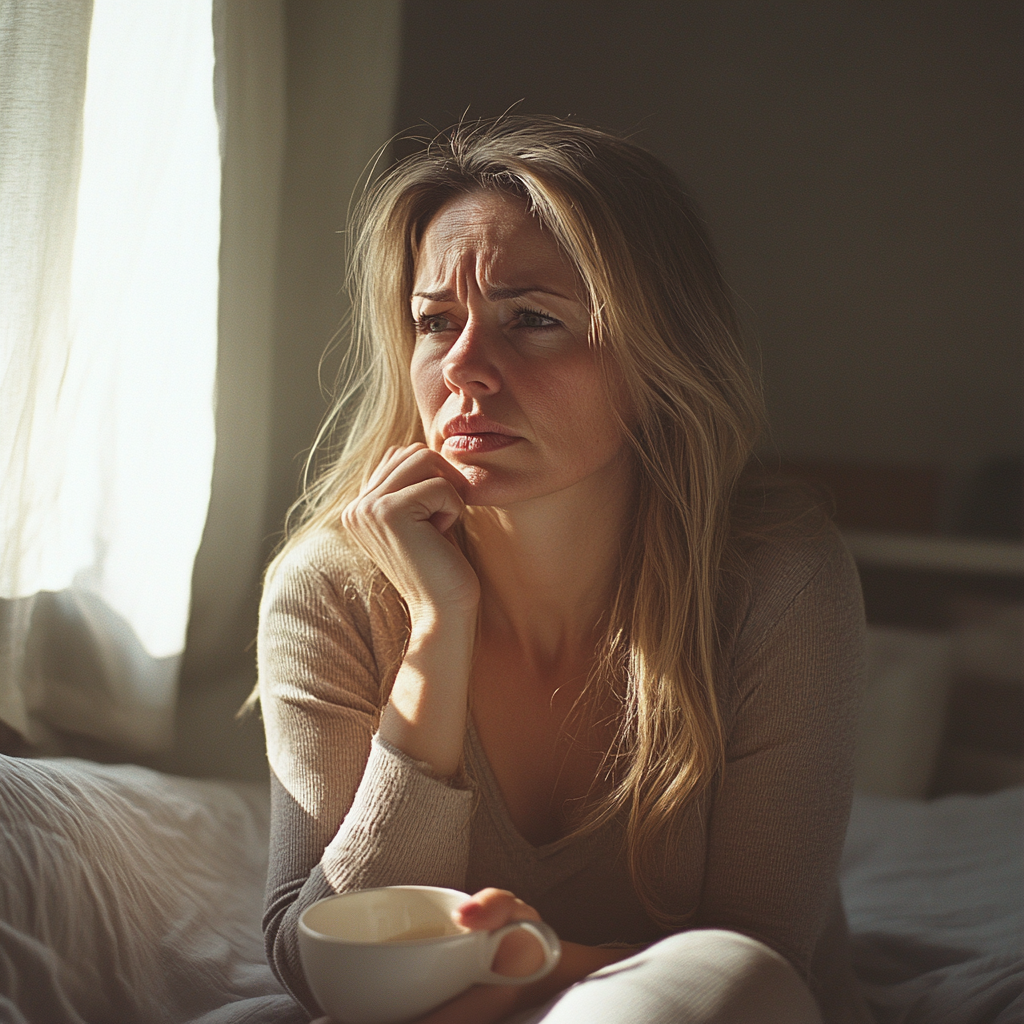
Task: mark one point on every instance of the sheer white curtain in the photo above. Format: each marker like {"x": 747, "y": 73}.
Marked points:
{"x": 109, "y": 234}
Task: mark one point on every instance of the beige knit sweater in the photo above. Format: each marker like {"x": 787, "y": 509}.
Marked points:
{"x": 760, "y": 856}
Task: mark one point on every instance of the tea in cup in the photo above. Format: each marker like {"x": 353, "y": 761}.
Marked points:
{"x": 389, "y": 955}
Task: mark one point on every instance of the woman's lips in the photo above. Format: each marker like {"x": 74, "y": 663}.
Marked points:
{"x": 483, "y": 442}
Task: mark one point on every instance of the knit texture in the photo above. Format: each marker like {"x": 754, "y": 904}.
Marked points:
{"x": 759, "y": 855}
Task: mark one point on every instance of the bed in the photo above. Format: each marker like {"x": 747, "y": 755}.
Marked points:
{"x": 134, "y": 896}
{"x": 159, "y": 881}
{"x": 934, "y": 893}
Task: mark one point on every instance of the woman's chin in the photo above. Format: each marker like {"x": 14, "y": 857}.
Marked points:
{"x": 486, "y": 487}
{"x": 484, "y": 492}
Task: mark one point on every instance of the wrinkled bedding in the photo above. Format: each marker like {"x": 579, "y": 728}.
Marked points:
{"x": 133, "y": 897}
{"x": 934, "y": 893}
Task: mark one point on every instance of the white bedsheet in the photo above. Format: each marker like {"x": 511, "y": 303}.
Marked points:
{"x": 131, "y": 897}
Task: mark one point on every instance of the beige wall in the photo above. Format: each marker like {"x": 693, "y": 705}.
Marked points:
{"x": 342, "y": 85}
{"x": 310, "y": 88}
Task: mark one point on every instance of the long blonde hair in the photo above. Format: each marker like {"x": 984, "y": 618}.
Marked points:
{"x": 661, "y": 314}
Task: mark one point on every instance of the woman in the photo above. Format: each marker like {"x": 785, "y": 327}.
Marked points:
{"x": 535, "y": 638}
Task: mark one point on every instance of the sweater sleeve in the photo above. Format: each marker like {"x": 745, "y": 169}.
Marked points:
{"x": 778, "y": 821}
{"x": 348, "y": 811}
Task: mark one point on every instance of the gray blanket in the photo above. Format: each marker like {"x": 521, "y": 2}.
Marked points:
{"x": 934, "y": 892}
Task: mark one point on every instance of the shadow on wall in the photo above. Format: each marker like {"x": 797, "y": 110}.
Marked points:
{"x": 859, "y": 167}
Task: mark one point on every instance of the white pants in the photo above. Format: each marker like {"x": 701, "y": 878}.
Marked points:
{"x": 696, "y": 977}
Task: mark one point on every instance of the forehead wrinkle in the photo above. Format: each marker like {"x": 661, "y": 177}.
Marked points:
{"x": 451, "y": 270}
{"x": 475, "y": 240}
{"x": 488, "y": 266}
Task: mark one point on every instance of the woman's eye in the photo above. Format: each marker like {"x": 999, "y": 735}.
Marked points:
{"x": 533, "y": 319}
{"x": 435, "y": 324}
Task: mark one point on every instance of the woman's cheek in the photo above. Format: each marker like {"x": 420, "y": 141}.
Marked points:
{"x": 430, "y": 394}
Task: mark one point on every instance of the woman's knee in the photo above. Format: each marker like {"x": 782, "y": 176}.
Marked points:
{"x": 735, "y": 979}
{"x": 707, "y": 976}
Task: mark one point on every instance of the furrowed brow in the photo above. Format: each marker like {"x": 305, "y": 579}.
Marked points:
{"x": 493, "y": 295}
{"x": 497, "y": 294}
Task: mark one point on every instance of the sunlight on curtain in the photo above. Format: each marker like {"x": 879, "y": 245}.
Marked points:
{"x": 108, "y": 351}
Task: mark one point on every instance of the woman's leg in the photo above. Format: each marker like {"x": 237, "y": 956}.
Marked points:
{"x": 695, "y": 977}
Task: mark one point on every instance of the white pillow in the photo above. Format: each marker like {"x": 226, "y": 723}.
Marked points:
{"x": 908, "y": 676}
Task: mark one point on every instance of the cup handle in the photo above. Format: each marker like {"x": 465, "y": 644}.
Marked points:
{"x": 542, "y": 932}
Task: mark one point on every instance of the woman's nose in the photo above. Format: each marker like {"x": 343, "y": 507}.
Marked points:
{"x": 468, "y": 366}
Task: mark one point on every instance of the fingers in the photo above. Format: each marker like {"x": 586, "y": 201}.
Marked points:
{"x": 400, "y": 472}
{"x": 401, "y": 467}
{"x": 383, "y": 468}
{"x": 400, "y": 519}
{"x": 520, "y": 953}
{"x": 491, "y": 908}
{"x": 432, "y": 500}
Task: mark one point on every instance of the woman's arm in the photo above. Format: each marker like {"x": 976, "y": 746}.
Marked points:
{"x": 778, "y": 821}
{"x": 351, "y": 809}
{"x": 399, "y": 520}
{"x": 518, "y": 955}
{"x": 348, "y": 811}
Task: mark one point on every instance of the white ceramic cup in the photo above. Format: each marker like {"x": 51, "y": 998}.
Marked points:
{"x": 385, "y": 956}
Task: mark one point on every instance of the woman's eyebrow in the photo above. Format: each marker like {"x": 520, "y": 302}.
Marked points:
{"x": 493, "y": 295}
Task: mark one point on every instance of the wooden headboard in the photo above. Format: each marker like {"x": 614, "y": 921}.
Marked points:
{"x": 948, "y": 646}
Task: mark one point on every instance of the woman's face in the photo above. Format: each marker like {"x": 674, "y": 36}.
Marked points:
{"x": 507, "y": 386}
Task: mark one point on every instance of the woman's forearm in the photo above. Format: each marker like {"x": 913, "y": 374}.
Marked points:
{"x": 490, "y": 1004}
{"x": 425, "y": 716}
{"x": 577, "y": 961}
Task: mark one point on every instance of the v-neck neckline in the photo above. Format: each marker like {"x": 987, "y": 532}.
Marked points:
{"x": 499, "y": 809}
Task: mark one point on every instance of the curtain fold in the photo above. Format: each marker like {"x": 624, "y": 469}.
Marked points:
{"x": 110, "y": 213}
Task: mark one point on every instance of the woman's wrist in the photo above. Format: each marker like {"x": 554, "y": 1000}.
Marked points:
{"x": 453, "y": 628}
{"x": 489, "y": 1004}
{"x": 425, "y": 716}
{"x": 576, "y": 962}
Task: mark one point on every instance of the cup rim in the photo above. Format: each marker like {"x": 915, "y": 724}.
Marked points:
{"x": 312, "y": 933}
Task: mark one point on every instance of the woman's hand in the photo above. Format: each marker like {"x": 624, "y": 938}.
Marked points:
{"x": 519, "y": 954}
{"x": 400, "y": 519}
